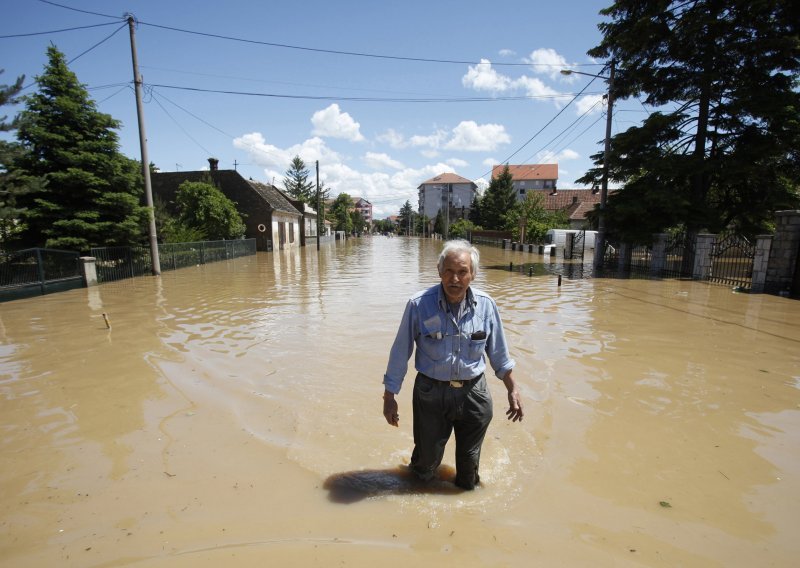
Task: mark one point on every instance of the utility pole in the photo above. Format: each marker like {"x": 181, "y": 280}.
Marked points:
{"x": 600, "y": 245}
{"x": 148, "y": 189}
{"x": 318, "y": 209}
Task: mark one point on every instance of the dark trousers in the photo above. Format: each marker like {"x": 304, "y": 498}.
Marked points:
{"x": 439, "y": 410}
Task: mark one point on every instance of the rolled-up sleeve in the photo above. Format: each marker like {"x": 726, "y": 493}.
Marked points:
{"x": 402, "y": 348}
{"x": 496, "y": 346}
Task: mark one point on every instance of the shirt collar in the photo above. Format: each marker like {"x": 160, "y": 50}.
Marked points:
{"x": 470, "y": 297}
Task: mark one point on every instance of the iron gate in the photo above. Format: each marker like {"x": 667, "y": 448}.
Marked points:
{"x": 732, "y": 261}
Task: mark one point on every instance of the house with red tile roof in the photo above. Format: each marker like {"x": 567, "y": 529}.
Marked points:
{"x": 530, "y": 176}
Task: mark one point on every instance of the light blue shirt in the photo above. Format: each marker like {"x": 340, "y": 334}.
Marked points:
{"x": 448, "y": 348}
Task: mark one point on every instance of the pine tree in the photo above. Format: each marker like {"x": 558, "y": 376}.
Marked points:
{"x": 92, "y": 196}
{"x": 296, "y": 182}
{"x": 728, "y": 155}
{"x": 498, "y": 201}
{"x": 13, "y": 183}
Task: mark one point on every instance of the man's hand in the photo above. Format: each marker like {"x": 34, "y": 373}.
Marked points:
{"x": 390, "y": 409}
{"x": 514, "y": 411}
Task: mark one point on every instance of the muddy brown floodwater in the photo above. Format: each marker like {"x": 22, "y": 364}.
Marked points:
{"x": 232, "y": 416}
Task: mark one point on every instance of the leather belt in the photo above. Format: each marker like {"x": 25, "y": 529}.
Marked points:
{"x": 453, "y": 384}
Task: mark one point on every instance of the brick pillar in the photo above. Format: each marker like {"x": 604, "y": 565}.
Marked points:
{"x": 702, "y": 258}
{"x": 761, "y": 263}
{"x": 659, "y": 258}
{"x": 783, "y": 257}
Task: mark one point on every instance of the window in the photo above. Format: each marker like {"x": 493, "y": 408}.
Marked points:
{"x": 291, "y": 232}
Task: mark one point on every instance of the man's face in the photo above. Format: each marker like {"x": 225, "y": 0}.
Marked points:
{"x": 456, "y": 276}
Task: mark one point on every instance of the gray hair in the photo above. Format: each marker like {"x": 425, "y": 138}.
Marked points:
{"x": 457, "y": 246}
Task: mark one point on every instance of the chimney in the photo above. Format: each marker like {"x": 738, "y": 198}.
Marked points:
{"x": 213, "y": 164}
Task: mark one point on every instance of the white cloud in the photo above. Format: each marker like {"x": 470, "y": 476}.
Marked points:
{"x": 333, "y": 123}
{"x": 551, "y": 158}
{"x": 507, "y": 52}
{"x": 585, "y": 104}
{"x": 275, "y": 161}
{"x": 489, "y": 162}
{"x": 482, "y": 77}
{"x": 472, "y": 137}
{"x": 546, "y": 61}
{"x": 434, "y": 140}
{"x": 458, "y": 163}
{"x": 534, "y": 87}
{"x": 430, "y": 154}
{"x": 392, "y": 138}
{"x": 379, "y": 161}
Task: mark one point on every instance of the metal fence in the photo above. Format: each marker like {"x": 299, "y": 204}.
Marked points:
{"x": 37, "y": 271}
{"x": 116, "y": 263}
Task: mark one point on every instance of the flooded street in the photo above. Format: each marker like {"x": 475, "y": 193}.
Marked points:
{"x": 233, "y": 414}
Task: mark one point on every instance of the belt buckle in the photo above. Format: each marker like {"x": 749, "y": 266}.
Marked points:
{"x": 456, "y": 384}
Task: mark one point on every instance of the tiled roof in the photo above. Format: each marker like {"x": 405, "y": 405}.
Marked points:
{"x": 273, "y": 196}
{"x": 528, "y": 171}
{"x": 577, "y": 202}
{"x": 446, "y": 178}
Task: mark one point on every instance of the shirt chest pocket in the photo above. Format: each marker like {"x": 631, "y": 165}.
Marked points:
{"x": 431, "y": 339}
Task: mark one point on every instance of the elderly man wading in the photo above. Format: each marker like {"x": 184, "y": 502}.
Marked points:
{"x": 453, "y": 326}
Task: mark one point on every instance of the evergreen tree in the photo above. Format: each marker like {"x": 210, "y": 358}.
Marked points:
{"x": 728, "y": 155}
{"x": 404, "y": 217}
{"x": 92, "y": 195}
{"x": 296, "y": 182}
{"x": 498, "y": 201}
{"x": 438, "y": 223}
{"x": 202, "y": 206}
{"x": 475, "y": 212}
{"x": 13, "y": 183}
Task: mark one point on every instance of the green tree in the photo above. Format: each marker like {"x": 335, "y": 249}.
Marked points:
{"x": 202, "y": 206}
{"x": 460, "y": 229}
{"x": 296, "y": 182}
{"x": 13, "y": 182}
{"x": 476, "y": 212}
{"x": 359, "y": 223}
{"x": 340, "y": 211}
{"x": 92, "y": 192}
{"x": 537, "y": 220}
{"x": 404, "y": 217}
{"x": 498, "y": 201}
{"x": 438, "y": 223}
{"x": 726, "y": 154}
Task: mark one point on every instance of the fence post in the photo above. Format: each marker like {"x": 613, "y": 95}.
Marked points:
{"x": 783, "y": 256}
{"x": 702, "y": 257}
{"x": 624, "y": 258}
{"x": 40, "y": 269}
{"x": 659, "y": 258}
{"x": 760, "y": 263}
{"x": 89, "y": 270}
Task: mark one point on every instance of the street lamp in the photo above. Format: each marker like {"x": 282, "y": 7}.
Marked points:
{"x": 600, "y": 245}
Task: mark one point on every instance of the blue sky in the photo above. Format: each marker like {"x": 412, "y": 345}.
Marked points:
{"x": 297, "y": 96}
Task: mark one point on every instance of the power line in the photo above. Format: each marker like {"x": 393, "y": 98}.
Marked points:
{"x": 30, "y": 34}
{"x": 349, "y": 53}
{"x": 79, "y": 10}
{"x": 549, "y": 122}
{"x": 98, "y": 43}
{"x": 369, "y": 99}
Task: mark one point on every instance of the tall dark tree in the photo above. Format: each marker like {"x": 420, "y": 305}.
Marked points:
{"x": 498, "y": 201}
{"x": 93, "y": 192}
{"x": 404, "y": 218}
{"x": 727, "y": 153}
{"x": 476, "y": 212}
{"x": 296, "y": 182}
{"x": 13, "y": 183}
